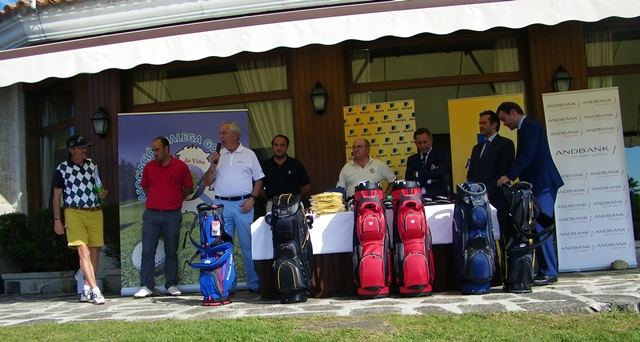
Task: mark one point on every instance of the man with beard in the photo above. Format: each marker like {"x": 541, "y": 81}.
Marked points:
{"x": 283, "y": 174}
{"x": 167, "y": 182}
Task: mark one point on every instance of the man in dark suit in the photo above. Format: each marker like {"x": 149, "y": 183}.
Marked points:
{"x": 534, "y": 165}
{"x": 491, "y": 159}
{"x": 429, "y": 166}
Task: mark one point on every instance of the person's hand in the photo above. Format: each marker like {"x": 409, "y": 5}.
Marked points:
{"x": 58, "y": 227}
{"x": 215, "y": 157}
{"x": 247, "y": 205}
{"x": 103, "y": 194}
{"x": 503, "y": 180}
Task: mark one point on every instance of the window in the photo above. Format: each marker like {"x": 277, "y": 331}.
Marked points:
{"x": 613, "y": 60}
{"x": 258, "y": 85}
{"x": 56, "y": 125}
{"x": 433, "y": 74}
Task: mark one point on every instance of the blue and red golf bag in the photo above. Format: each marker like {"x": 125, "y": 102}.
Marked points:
{"x": 371, "y": 245}
{"x": 474, "y": 246}
{"x": 215, "y": 248}
{"x": 293, "y": 252}
{"x": 413, "y": 257}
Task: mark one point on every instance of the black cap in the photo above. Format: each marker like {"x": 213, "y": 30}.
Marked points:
{"x": 77, "y": 141}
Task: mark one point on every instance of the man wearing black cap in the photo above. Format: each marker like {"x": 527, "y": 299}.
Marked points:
{"x": 76, "y": 181}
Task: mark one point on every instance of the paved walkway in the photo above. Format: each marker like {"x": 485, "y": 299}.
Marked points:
{"x": 585, "y": 292}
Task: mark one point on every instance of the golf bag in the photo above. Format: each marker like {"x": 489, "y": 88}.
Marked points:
{"x": 474, "y": 246}
{"x": 413, "y": 257}
{"x": 293, "y": 253}
{"x": 371, "y": 245}
{"x": 217, "y": 269}
{"x": 523, "y": 215}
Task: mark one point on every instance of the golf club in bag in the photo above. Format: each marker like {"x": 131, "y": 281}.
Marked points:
{"x": 474, "y": 246}
{"x": 521, "y": 236}
{"x": 293, "y": 253}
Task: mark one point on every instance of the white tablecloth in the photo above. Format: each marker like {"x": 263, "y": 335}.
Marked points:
{"x": 333, "y": 233}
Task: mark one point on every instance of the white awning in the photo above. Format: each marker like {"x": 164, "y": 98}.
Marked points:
{"x": 92, "y": 55}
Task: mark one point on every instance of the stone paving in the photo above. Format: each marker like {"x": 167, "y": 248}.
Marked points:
{"x": 583, "y": 292}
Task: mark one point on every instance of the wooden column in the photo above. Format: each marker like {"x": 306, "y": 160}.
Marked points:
{"x": 550, "y": 47}
{"x": 319, "y": 138}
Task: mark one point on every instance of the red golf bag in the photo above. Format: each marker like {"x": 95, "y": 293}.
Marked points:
{"x": 371, "y": 252}
{"x": 413, "y": 257}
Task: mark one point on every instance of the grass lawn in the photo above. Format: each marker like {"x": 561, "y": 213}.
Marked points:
{"x": 614, "y": 326}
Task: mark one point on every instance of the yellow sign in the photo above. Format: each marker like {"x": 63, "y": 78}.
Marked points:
{"x": 464, "y": 115}
{"x": 388, "y": 126}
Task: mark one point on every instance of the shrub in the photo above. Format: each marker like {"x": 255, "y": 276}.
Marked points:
{"x": 31, "y": 245}
{"x": 111, "y": 213}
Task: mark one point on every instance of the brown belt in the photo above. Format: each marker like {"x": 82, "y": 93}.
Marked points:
{"x": 85, "y": 209}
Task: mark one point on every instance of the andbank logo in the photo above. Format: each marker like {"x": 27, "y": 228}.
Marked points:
{"x": 584, "y": 150}
{"x": 569, "y": 133}
{"x": 606, "y": 173}
{"x": 602, "y": 130}
{"x": 572, "y": 206}
{"x": 576, "y": 234}
{"x": 563, "y": 119}
{"x": 573, "y": 219}
{"x": 573, "y": 191}
{"x": 563, "y": 105}
{"x": 611, "y": 231}
{"x": 570, "y": 176}
{"x": 599, "y": 101}
{"x": 607, "y": 188}
{"x": 577, "y": 248}
{"x": 610, "y": 216}
{"x": 604, "y": 204}
{"x": 613, "y": 245}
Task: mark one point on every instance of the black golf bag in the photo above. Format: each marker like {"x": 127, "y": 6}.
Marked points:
{"x": 520, "y": 233}
{"x": 413, "y": 257}
{"x": 215, "y": 248}
{"x": 293, "y": 253}
{"x": 371, "y": 245}
{"x": 474, "y": 246}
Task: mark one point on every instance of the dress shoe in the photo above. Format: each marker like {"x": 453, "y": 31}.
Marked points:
{"x": 255, "y": 290}
{"x": 542, "y": 279}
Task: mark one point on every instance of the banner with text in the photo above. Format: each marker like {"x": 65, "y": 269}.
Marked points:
{"x": 192, "y": 138}
{"x": 593, "y": 210}
{"x": 388, "y": 126}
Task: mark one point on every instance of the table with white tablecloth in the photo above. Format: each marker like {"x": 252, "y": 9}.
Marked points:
{"x": 332, "y": 240}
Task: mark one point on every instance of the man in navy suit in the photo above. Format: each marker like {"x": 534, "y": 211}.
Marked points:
{"x": 429, "y": 166}
{"x": 490, "y": 159}
{"x": 534, "y": 165}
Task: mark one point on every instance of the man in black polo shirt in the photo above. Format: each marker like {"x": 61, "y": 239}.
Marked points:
{"x": 283, "y": 174}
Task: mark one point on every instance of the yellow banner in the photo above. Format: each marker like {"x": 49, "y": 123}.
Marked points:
{"x": 464, "y": 115}
{"x": 388, "y": 126}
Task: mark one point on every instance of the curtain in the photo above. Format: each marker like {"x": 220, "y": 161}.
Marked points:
{"x": 361, "y": 73}
{"x": 267, "y": 118}
{"x": 149, "y": 87}
{"x": 599, "y": 53}
{"x": 506, "y": 60}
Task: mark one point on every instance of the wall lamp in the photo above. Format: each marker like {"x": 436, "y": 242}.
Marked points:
{"x": 561, "y": 80}
{"x": 100, "y": 121}
{"x": 319, "y": 98}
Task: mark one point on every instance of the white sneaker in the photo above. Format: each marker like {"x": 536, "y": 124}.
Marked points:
{"x": 143, "y": 292}
{"x": 98, "y": 298}
{"x": 86, "y": 296}
{"x": 173, "y": 290}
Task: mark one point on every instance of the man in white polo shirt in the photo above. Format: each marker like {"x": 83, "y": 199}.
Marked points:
{"x": 236, "y": 176}
{"x": 364, "y": 168}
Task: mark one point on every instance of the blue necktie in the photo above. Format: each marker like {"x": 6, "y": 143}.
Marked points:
{"x": 486, "y": 147}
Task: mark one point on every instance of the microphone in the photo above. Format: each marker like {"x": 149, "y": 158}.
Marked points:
{"x": 218, "y": 148}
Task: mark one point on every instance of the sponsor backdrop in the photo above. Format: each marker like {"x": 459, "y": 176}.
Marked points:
{"x": 193, "y": 137}
{"x": 593, "y": 211}
{"x": 464, "y": 115}
{"x": 388, "y": 126}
